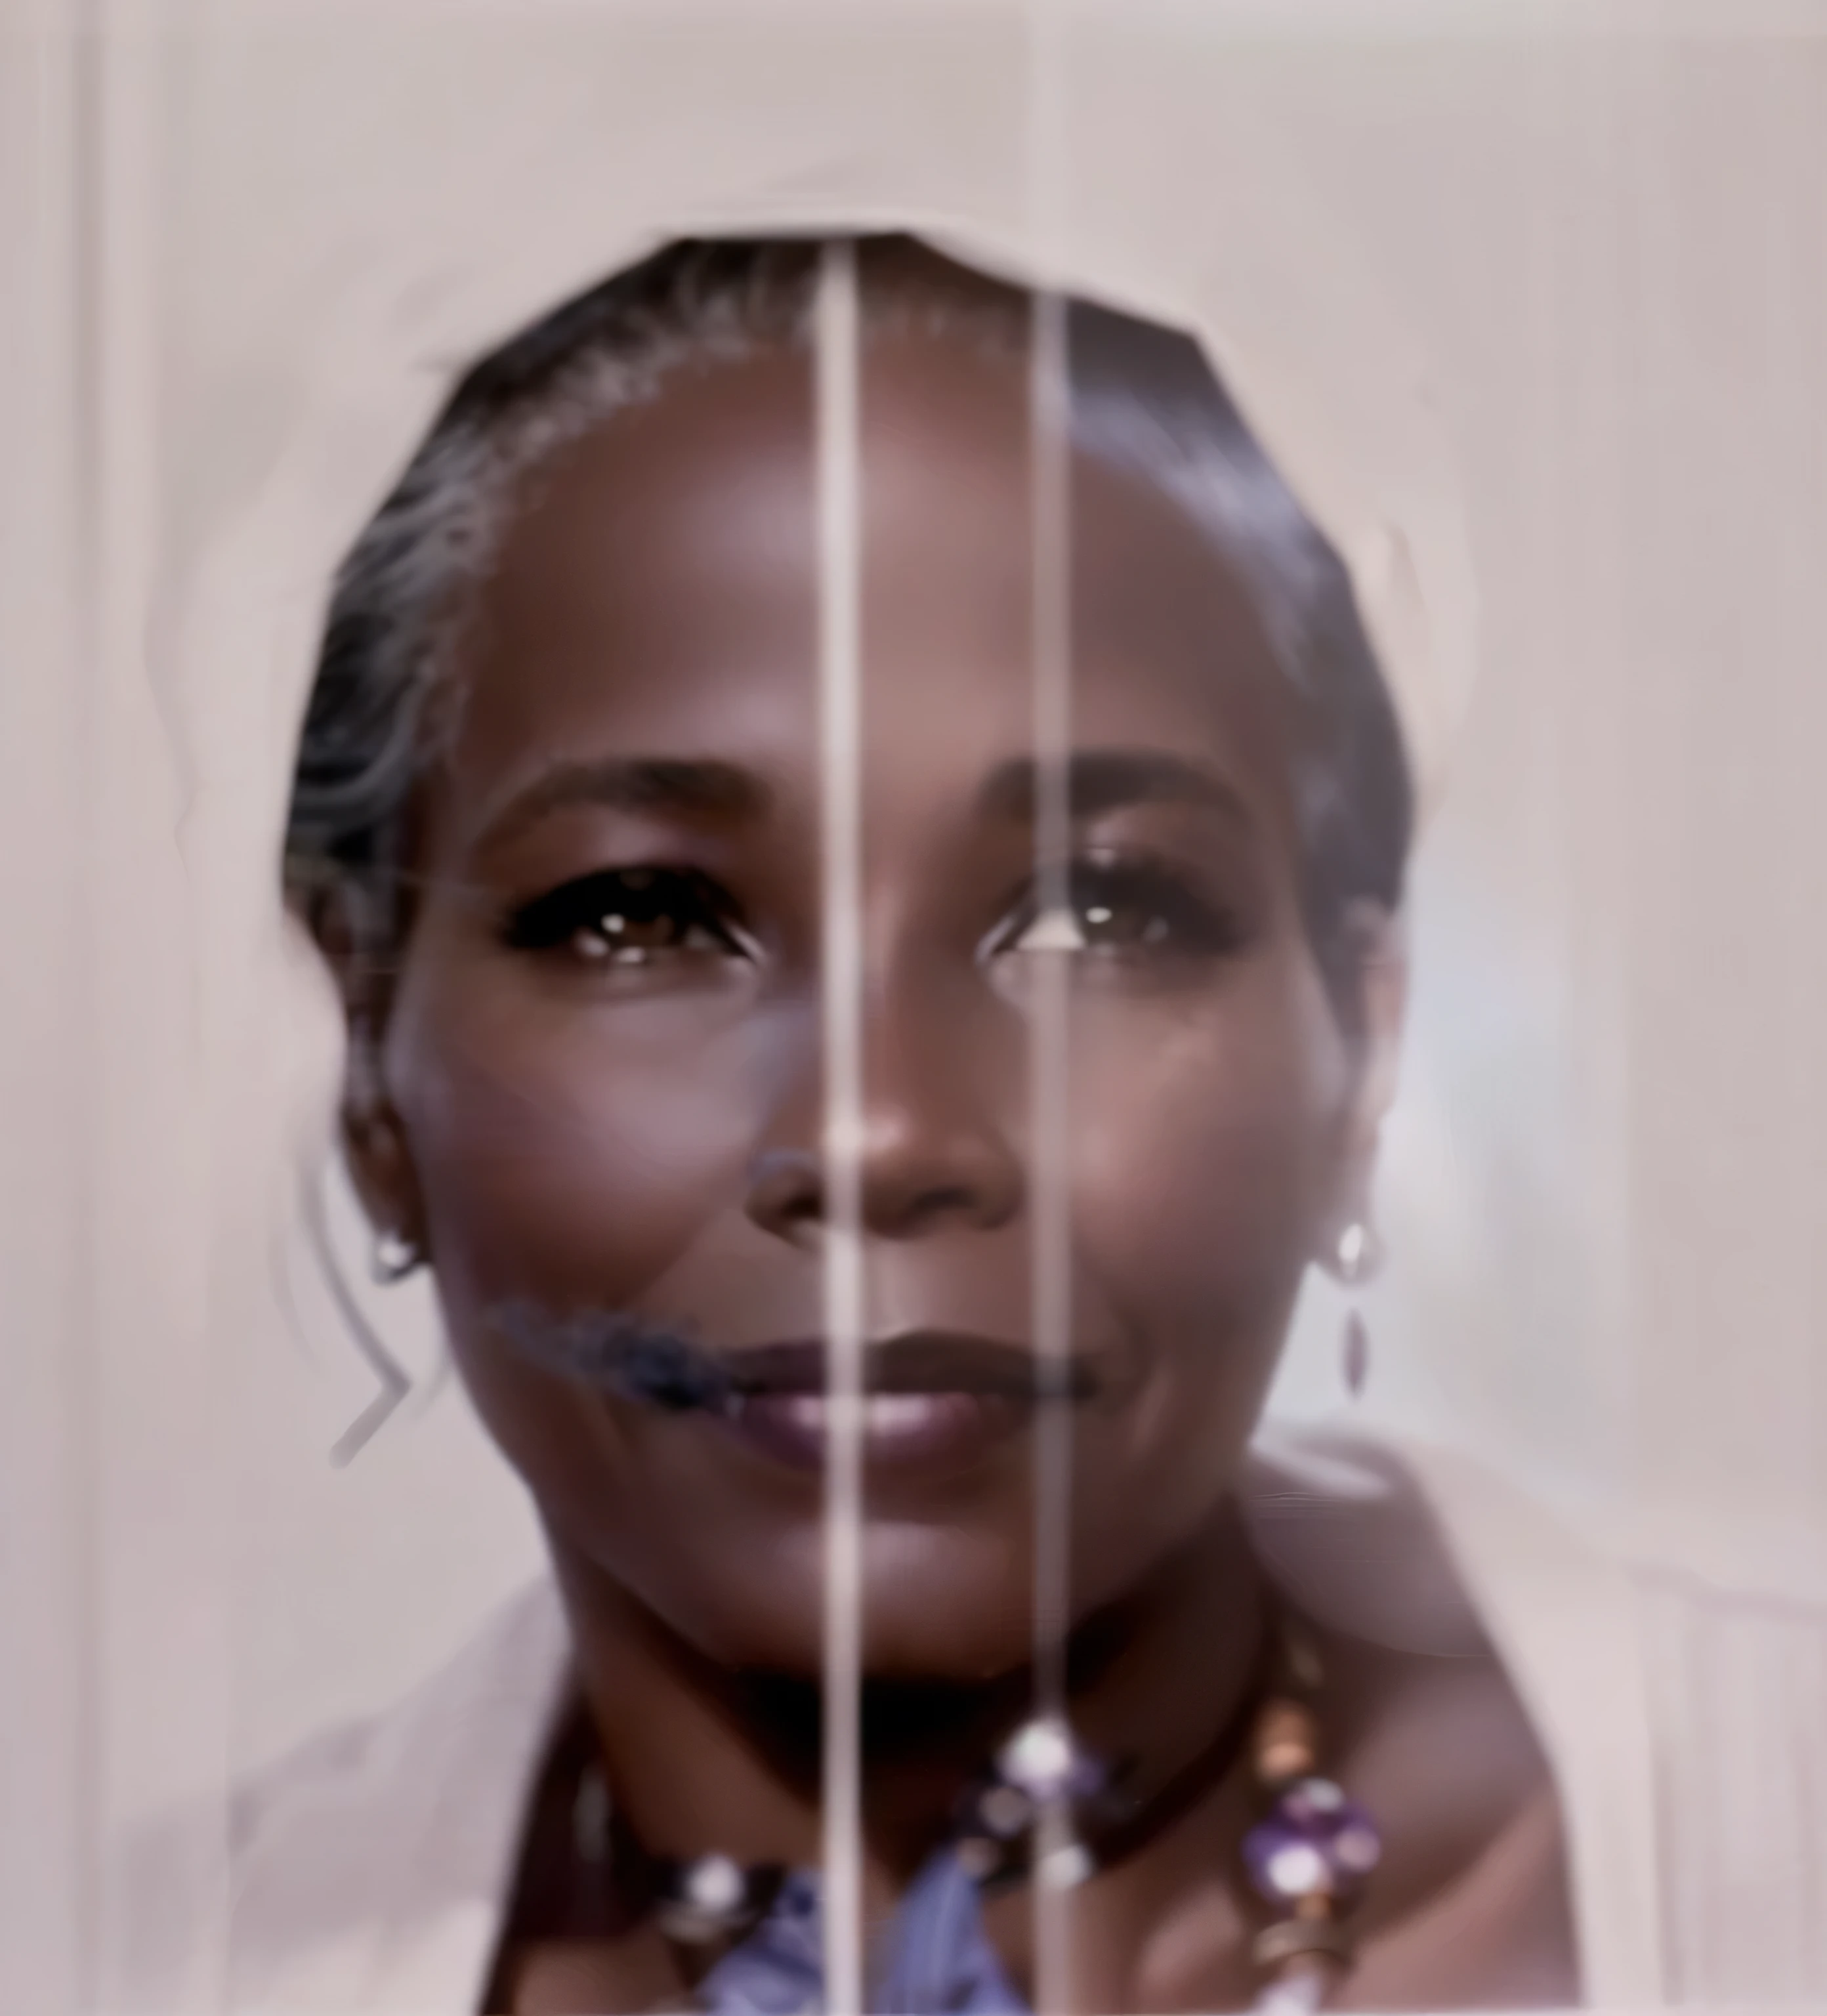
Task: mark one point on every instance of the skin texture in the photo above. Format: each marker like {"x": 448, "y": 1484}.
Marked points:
{"x": 645, "y": 1136}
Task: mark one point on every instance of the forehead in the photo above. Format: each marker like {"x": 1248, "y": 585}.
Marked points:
{"x": 656, "y": 588}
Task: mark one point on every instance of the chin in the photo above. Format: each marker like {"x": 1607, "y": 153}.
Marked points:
{"x": 947, "y": 1604}
{"x": 938, "y": 1603}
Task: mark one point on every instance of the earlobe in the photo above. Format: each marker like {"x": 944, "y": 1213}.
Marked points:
{"x": 1381, "y": 965}
{"x": 376, "y": 1149}
{"x": 1380, "y": 978}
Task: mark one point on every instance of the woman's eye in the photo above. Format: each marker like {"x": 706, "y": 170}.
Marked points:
{"x": 1121, "y": 907}
{"x": 630, "y": 917}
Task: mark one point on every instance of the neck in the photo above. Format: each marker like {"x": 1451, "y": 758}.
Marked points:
{"x": 704, "y": 1760}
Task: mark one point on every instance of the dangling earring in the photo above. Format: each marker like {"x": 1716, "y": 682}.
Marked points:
{"x": 393, "y": 1257}
{"x": 1355, "y": 1260}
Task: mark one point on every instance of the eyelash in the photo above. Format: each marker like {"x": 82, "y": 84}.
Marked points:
{"x": 629, "y": 916}
{"x": 1176, "y": 920}
{"x": 622, "y": 917}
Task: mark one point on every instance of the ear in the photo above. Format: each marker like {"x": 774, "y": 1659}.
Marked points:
{"x": 345, "y": 923}
{"x": 1376, "y": 976}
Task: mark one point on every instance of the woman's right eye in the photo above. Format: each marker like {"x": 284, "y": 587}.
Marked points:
{"x": 632, "y": 916}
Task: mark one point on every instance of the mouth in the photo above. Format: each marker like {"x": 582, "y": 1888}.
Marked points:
{"x": 928, "y": 1397}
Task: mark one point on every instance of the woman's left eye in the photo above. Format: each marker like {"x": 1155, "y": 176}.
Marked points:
{"x": 630, "y": 917}
{"x": 1119, "y": 909}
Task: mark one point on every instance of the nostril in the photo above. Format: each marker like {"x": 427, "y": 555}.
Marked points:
{"x": 913, "y": 1182}
{"x": 958, "y": 1202}
{"x": 904, "y": 1200}
{"x": 786, "y": 1191}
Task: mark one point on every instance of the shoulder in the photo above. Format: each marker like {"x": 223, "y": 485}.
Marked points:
{"x": 1676, "y": 1681}
{"x": 367, "y": 1868}
{"x": 1346, "y": 1524}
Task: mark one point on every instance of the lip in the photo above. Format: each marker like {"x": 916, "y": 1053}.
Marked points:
{"x": 929, "y": 1398}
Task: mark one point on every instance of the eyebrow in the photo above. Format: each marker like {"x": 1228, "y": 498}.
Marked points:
{"x": 708, "y": 791}
{"x": 1101, "y": 780}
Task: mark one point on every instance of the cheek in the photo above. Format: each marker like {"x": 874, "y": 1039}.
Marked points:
{"x": 1208, "y": 1131}
{"x": 572, "y": 1151}
{"x": 1207, "y": 1127}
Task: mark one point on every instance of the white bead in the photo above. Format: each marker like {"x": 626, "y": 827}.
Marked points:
{"x": 1039, "y": 1758}
{"x": 1065, "y": 1868}
{"x": 1294, "y": 1995}
{"x": 715, "y": 1883}
{"x": 1298, "y": 1870}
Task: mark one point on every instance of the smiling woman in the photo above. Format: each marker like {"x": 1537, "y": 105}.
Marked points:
{"x": 557, "y": 828}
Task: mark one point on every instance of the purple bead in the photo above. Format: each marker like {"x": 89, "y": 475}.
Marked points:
{"x": 1314, "y": 1843}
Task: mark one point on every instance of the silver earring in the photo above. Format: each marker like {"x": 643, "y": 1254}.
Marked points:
{"x": 395, "y": 1256}
{"x": 1355, "y": 1260}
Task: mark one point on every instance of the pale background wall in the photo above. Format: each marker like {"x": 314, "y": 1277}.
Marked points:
{"x": 1607, "y": 1186}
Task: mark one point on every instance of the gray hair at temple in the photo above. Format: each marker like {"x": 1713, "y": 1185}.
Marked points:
{"x": 1143, "y": 400}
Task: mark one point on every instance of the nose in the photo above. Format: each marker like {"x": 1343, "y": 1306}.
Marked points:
{"x": 932, "y": 1153}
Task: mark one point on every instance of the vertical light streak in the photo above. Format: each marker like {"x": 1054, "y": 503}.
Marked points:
{"x": 1049, "y": 1122}
{"x": 837, "y": 373}
{"x": 1055, "y": 1849}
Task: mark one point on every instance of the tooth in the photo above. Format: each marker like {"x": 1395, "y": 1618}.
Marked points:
{"x": 893, "y": 1414}
{"x": 883, "y": 1413}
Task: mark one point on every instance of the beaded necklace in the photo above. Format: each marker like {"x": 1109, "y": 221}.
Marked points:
{"x": 1305, "y": 1861}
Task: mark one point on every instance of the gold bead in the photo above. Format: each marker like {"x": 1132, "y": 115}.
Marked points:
{"x": 1286, "y": 1745}
{"x": 1293, "y": 1941}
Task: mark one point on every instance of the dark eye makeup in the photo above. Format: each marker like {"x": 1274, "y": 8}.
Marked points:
{"x": 628, "y": 916}
{"x": 1116, "y": 906}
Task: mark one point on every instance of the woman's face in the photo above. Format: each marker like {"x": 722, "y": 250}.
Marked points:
{"x": 600, "y": 1086}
